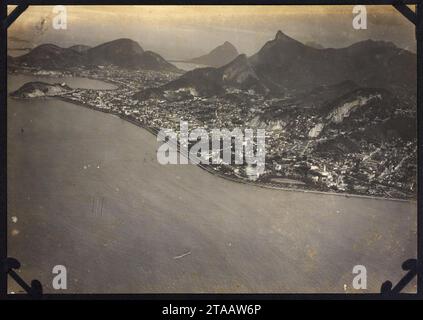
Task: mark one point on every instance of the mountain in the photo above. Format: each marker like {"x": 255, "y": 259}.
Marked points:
{"x": 285, "y": 65}
{"x": 218, "y": 57}
{"x": 80, "y": 48}
{"x": 124, "y": 53}
{"x": 120, "y": 52}
{"x": 127, "y": 53}
{"x": 212, "y": 81}
{"x": 50, "y": 56}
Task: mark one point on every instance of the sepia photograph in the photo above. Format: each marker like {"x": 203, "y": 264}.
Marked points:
{"x": 215, "y": 149}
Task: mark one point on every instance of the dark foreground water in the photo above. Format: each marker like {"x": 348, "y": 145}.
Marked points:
{"x": 85, "y": 191}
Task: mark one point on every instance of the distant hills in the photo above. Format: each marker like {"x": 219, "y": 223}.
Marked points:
{"x": 362, "y": 93}
{"x": 218, "y": 57}
{"x": 50, "y": 56}
{"x": 285, "y": 65}
{"x": 213, "y": 81}
{"x": 124, "y": 53}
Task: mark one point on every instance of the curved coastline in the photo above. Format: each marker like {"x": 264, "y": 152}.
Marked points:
{"x": 240, "y": 236}
{"x": 209, "y": 168}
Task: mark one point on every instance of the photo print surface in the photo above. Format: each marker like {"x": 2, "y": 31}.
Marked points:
{"x": 211, "y": 149}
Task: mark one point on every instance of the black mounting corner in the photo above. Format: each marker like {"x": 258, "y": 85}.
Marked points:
{"x": 14, "y": 15}
{"x": 409, "y": 265}
{"x": 35, "y": 289}
{"x": 406, "y": 12}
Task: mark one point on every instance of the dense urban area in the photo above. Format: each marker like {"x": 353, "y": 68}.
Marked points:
{"x": 297, "y": 155}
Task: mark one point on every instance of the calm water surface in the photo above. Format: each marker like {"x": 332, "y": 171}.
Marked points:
{"x": 85, "y": 191}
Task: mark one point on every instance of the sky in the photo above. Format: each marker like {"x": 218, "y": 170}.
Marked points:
{"x": 183, "y": 32}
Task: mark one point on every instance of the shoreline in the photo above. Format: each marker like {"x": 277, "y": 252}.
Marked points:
{"x": 210, "y": 169}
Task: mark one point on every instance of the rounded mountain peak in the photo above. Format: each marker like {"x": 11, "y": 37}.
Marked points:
{"x": 227, "y": 46}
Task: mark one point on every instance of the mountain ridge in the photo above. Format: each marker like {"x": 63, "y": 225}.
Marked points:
{"x": 284, "y": 64}
{"x": 123, "y": 52}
